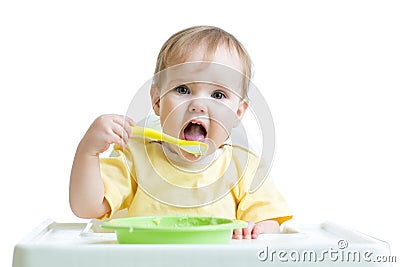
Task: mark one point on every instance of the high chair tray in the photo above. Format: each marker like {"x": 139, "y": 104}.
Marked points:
{"x": 81, "y": 244}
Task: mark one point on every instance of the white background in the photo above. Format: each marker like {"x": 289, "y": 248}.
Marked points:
{"x": 330, "y": 72}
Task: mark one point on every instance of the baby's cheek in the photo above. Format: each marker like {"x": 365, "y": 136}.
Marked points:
{"x": 218, "y": 134}
{"x": 224, "y": 115}
{"x": 222, "y": 125}
{"x": 170, "y": 117}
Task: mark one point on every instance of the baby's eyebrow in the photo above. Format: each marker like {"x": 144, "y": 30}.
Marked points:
{"x": 176, "y": 82}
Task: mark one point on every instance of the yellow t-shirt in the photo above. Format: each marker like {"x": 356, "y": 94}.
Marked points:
{"x": 143, "y": 180}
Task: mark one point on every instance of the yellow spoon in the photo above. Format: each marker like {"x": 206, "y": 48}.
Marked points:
{"x": 193, "y": 147}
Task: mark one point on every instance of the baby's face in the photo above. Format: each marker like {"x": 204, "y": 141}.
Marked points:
{"x": 202, "y": 101}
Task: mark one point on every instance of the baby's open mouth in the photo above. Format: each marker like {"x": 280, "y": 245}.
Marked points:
{"x": 195, "y": 131}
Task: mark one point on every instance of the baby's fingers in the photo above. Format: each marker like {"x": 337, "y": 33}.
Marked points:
{"x": 257, "y": 230}
{"x": 120, "y": 136}
{"x": 125, "y": 123}
{"x": 237, "y": 233}
{"x": 129, "y": 121}
{"x": 247, "y": 231}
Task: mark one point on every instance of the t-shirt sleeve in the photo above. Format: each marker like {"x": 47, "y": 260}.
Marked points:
{"x": 118, "y": 178}
{"x": 265, "y": 203}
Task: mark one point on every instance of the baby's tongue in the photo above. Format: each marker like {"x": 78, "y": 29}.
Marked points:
{"x": 195, "y": 132}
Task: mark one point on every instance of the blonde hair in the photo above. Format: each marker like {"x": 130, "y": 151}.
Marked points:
{"x": 176, "y": 49}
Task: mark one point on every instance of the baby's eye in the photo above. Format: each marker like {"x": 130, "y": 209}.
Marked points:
{"x": 218, "y": 95}
{"x": 182, "y": 89}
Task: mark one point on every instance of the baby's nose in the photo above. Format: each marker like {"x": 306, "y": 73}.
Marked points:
{"x": 198, "y": 105}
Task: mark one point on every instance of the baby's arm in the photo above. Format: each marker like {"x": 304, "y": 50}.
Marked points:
{"x": 86, "y": 192}
{"x": 253, "y": 230}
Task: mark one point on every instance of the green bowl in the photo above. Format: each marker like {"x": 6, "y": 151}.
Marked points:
{"x": 173, "y": 229}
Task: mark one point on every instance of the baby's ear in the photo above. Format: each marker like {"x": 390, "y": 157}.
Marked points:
{"x": 243, "y": 105}
{"x": 155, "y": 99}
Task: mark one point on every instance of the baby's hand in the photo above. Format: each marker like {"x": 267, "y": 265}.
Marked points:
{"x": 106, "y": 130}
{"x": 253, "y": 230}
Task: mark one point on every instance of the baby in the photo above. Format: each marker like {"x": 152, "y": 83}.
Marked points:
{"x": 199, "y": 93}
